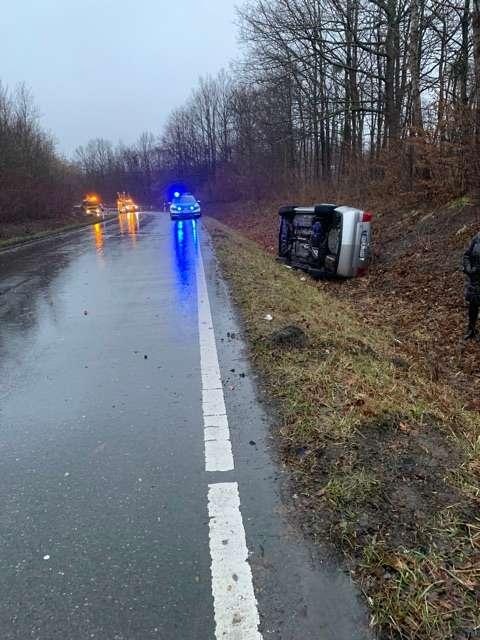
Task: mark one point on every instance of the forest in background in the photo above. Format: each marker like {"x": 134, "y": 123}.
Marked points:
{"x": 346, "y": 98}
{"x": 34, "y": 182}
{"x": 351, "y": 96}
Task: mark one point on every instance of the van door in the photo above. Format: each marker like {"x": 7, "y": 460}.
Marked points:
{"x": 363, "y": 241}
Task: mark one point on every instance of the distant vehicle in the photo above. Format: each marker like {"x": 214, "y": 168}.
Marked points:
{"x": 326, "y": 240}
{"x": 184, "y": 206}
{"x": 92, "y": 205}
{"x": 125, "y": 204}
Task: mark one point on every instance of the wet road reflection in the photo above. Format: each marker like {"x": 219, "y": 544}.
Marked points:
{"x": 184, "y": 254}
{"x": 99, "y": 237}
{"x": 129, "y": 224}
{"x": 122, "y": 223}
{"x": 103, "y": 494}
{"x": 133, "y": 221}
{"x": 102, "y": 505}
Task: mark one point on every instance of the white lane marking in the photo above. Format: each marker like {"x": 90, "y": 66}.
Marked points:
{"x": 218, "y": 448}
{"x": 236, "y": 611}
{"x": 235, "y": 605}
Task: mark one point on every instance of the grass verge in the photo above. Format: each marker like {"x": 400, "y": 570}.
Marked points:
{"x": 386, "y": 461}
{"x": 25, "y": 233}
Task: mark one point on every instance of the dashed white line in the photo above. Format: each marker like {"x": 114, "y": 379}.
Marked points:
{"x": 235, "y": 605}
{"x": 236, "y": 613}
{"x": 218, "y": 449}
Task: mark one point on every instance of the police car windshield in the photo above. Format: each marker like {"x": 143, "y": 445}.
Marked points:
{"x": 185, "y": 200}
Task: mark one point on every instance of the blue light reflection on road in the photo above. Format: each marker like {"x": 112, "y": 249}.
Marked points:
{"x": 194, "y": 231}
{"x": 185, "y": 241}
{"x": 180, "y": 231}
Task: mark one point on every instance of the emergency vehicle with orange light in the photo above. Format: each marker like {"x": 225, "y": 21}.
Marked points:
{"x": 92, "y": 205}
{"x": 126, "y": 204}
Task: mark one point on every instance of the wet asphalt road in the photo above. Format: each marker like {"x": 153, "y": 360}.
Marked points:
{"x": 103, "y": 507}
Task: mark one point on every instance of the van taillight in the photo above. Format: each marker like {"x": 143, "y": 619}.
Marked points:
{"x": 367, "y": 216}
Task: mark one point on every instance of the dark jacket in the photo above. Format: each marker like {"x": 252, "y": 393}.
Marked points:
{"x": 471, "y": 267}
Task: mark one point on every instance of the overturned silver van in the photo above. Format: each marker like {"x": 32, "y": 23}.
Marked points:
{"x": 326, "y": 240}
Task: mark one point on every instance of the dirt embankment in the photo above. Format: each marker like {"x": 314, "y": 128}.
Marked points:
{"x": 415, "y": 286}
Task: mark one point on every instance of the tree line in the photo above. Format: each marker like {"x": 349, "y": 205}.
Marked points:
{"x": 344, "y": 94}
{"x": 350, "y": 96}
{"x": 34, "y": 182}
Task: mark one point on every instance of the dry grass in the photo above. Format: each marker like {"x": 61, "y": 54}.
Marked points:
{"x": 386, "y": 460}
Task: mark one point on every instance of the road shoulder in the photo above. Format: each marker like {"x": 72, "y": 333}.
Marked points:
{"x": 300, "y": 592}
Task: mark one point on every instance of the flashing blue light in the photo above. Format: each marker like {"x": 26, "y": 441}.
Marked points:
{"x": 175, "y": 190}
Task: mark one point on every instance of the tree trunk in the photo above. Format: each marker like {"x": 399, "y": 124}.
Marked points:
{"x": 415, "y": 54}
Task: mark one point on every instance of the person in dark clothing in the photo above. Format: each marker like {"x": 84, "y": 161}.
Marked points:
{"x": 471, "y": 268}
{"x": 319, "y": 240}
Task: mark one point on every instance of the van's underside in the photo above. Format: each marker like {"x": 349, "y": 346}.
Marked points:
{"x": 310, "y": 239}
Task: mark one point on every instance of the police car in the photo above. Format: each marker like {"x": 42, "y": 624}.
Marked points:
{"x": 184, "y": 205}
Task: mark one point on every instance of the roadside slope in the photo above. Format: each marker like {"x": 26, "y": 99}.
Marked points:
{"x": 415, "y": 285}
{"x": 385, "y": 458}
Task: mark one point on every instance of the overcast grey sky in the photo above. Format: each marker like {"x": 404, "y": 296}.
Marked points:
{"x": 112, "y": 68}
